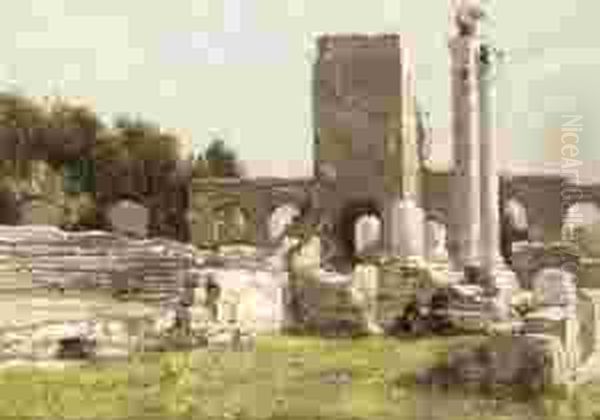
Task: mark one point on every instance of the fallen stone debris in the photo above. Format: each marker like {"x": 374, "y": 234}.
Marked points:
{"x": 160, "y": 295}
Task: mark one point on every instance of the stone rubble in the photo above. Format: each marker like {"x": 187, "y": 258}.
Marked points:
{"x": 153, "y": 272}
{"x": 254, "y": 297}
{"x": 531, "y": 363}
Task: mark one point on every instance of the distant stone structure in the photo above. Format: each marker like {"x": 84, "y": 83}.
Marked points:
{"x": 370, "y": 159}
{"x": 439, "y": 229}
{"x": 129, "y": 218}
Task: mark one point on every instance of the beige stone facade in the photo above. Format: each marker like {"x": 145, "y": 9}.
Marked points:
{"x": 367, "y": 141}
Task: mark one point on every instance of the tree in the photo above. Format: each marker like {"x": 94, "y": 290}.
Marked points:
{"x": 217, "y": 161}
{"x": 200, "y": 167}
{"x": 138, "y": 154}
{"x": 97, "y": 163}
{"x": 72, "y": 132}
{"x": 62, "y": 135}
{"x": 69, "y": 142}
{"x": 22, "y": 123}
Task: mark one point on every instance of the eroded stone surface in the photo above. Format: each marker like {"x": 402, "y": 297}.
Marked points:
{"x": 554, "y": 287}
{"x": 530, "y": 362}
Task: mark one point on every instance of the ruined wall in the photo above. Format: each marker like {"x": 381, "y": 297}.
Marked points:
{"x": 42, "y": 257}
{"x": 357, "y": 92}
{"x": 211, "y": 201}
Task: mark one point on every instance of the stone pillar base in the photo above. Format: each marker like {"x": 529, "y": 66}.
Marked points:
{"x": 399, "y": 281}
{"x": 504, "y": 282}
{"x": 405, "y": 229}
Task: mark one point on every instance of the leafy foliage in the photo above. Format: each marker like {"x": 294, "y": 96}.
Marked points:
{"x": 72, "y": 132}
{"x": 22, "y": 125}
{"x": 131, "y": 158}
{"x": 138, "y": 154}
{"x": 217, "y": 161}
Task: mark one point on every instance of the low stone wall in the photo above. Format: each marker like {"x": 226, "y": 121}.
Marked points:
{"x": 45, "y": 257}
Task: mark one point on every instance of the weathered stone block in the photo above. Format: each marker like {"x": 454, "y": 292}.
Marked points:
{"x": 399, "y": 284}
{"x": 532, "y": 363}
{"x": 554, "y": 287}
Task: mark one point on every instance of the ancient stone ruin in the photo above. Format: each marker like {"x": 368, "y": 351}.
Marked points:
{"x": 101, "y": 294}
{"x": 436, "y": 264}
{"x": 371, "y": 160}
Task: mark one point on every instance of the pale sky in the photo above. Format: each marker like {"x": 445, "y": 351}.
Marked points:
{"x": 241, "y": 69}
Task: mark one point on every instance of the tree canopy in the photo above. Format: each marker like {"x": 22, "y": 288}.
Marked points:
{"x": 129, "y": 157}
{"x": 218, "y": 160}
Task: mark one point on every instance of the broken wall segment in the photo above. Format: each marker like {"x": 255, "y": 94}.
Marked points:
{"x": 48, "y": 258}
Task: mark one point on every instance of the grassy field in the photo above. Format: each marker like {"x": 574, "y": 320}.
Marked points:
{"x": 292, "y": 378}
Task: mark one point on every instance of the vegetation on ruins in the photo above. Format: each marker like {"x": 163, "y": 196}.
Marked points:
{"x": 88, "y": 155}
{"x": 218, "y": 160}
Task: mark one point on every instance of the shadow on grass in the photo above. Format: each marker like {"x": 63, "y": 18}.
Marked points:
{"x": 315, "y": 378}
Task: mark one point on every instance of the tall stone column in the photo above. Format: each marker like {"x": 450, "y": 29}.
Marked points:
{"x": 403, "y": 218}
{"x": 490, "y": 183}
{"x": 465, "y": 218}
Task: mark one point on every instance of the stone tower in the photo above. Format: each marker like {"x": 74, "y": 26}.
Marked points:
{"x": 366, "y": 132}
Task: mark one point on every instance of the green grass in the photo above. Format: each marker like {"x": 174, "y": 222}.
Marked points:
{"x": 292, "y": 378}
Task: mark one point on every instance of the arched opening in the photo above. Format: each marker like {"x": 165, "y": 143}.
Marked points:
{"x": 579, "y": 216}
{"x": 367, "y": 234}
{"x": 369, "y": 229}
{"x": 280, "y": 219}
{"x": 514, "y": 226}
{"x": 230, "y": 224}
{"x": 516, "y": 214}
{"x": 436, "y": 239}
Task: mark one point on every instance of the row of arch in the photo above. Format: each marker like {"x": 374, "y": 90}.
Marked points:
{"x": 231, "y": 222}
{"x": 362, "y": 225}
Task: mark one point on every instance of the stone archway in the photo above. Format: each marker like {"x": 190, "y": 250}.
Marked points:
{"x": 347, "y": 226}
{"x": 436, "y": 239}
{"x": 579, "y": 215}
{"x": 516, "y": 214}
{"x": 231, "y": 224}
{"x": 280, "y": 218}
{"x": 367, "y": 233}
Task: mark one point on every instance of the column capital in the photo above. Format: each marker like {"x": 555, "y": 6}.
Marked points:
{"x": 490, "y": 56}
